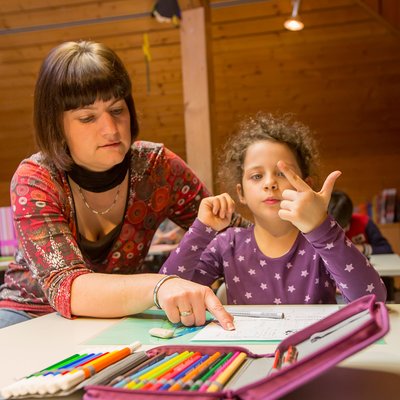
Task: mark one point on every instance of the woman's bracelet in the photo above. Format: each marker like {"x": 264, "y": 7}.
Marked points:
{"x": 157, "y": 288}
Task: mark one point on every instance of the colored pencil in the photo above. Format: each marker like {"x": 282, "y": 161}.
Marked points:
{"x": 163, "y": 379}
{"x": 195, "y": 373}
{"x": 185, "y": 372}
{"x": 78, "y": 375}
{"x": 219, "y": 371}
{"x": 223, "y": 378}
{"x": 209, "y": 373}
{"x": 143, "y": 379}
{"x": 137, "y": 368}
{"x": 140, "y": 372}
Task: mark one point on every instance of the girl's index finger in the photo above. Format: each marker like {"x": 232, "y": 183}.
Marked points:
{"x": 293, "y": 178}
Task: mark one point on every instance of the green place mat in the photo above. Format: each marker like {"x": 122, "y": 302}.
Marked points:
{"x": 135, "y": 328}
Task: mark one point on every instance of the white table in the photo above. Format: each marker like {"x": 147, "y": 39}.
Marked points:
{"x": 386, "y": 264}
{"x": 36, "y": 344}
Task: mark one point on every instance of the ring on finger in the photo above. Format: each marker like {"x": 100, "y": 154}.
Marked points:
{"x": 185, "y": 313}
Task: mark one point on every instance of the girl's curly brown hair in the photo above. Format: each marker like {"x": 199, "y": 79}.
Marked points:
{"x": 266, "y": 126}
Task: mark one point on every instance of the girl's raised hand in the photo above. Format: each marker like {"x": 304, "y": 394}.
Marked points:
{"x": 216, "y": 211}
{"x": 303, "y": 207}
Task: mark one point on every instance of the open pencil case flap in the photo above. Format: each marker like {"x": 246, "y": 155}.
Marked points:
{"x": 320, "y": 347}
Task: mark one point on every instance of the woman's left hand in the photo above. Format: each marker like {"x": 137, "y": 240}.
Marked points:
{"x": 303, "y": 207}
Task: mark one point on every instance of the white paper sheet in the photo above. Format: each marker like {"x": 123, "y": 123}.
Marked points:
{"x": 256, "y": 329}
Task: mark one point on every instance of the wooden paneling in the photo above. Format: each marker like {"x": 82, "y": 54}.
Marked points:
{"x": 340, "y": 75}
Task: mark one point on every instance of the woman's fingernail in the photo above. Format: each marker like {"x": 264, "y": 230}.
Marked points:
{"x": 230, "y": 326}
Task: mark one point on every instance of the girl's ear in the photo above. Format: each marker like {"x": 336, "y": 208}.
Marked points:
{"x": 239, "y": 191}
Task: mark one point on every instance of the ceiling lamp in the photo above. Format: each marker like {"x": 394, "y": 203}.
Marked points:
{"x": 294, "y": 23}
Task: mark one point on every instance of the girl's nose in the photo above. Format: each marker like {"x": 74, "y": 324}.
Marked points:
{"x": 270, "y": 184}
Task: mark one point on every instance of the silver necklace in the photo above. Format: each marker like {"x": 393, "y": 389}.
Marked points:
{"x": 95, "y": 211}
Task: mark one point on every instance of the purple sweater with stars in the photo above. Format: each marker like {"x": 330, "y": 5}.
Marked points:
{"x": 309, "y": 273}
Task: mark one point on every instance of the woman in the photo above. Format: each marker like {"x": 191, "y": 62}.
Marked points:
{"x": 87, "y": 205}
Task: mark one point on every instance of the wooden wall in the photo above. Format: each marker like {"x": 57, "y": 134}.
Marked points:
{"x": 340, "y": 75}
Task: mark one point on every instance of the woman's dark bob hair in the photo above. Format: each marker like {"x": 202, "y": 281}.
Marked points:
{"x": 74, "y": 75}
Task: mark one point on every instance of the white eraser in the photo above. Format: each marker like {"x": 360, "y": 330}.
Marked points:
{"x": 162, "y": 333}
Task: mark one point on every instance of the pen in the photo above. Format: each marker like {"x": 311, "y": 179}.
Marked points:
{"x": 257, "y": 314}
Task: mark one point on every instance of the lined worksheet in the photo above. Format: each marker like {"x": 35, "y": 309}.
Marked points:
{"x": 256, "y": 329}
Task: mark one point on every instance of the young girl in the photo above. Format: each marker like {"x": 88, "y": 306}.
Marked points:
{"x": 295, "y": 253}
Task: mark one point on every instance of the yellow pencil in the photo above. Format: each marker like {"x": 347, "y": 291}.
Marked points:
{"x": 221, "y": 380}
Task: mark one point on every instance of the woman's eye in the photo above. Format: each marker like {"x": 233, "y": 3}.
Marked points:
{"x": 116, "y": 111}
{"x": 86, "y": 120}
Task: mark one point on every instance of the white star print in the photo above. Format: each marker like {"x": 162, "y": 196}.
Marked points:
{"x": 304, "y": 273}
{"x": 208, "y": 229}
{"x": 302, "y": 252}
{"x": 343, "y": 285}
{"x": 370, "y": 287}
{"x": 277, "y": 277}
{"x": 216, "y": 264}
{"x": 277, "y": 301}
{"x": 316, "y": 281}
{"x": 181, "y": 268}
{"x": 164, "y": 270}
{"x": 225, "y": 264}
{"x": 178, "y": 250}
{"x": 262, "y": 262}
{"x": 349, "y": 267}
{"x": 194, "y": 248}
{"x": 307, "y": 298}
{"x": 333, "y": 223}
{"x": 237, "y": 230}
{"x": 348, "y": 243}
{"x": 236, "y": 279}
{"x": 248, "y": 295}
{"x": 213, "y": 249}
{"x": 329, "y": 246}
{"x": 263, "y": 286}
{"x": 289, "y": 265}
{"x": 248, "y": 240}
{"x": 251, "y": 272}
{"x": 326, "y": 284}
{"x": 314, "y": 256}
{"x": 234, "y": 301}
{"x": 190, "y": 230}
{"x": 231, "y": 243}
{"x": 291, "y": 289}
{"x": 203, "y": 272}
{"x": 240, "y": 258}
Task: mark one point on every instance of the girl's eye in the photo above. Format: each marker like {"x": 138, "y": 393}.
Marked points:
{"x": 280, "y": 174}
{"x": 256, "y": 177}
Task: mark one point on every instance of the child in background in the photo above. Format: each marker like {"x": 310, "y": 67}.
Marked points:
{"x": 360, "y": 229}
{"x": 295, "y": 253}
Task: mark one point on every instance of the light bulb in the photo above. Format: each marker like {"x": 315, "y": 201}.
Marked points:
{"x": 293, "y": 24}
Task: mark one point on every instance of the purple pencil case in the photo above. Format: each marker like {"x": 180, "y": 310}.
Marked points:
{"x": 320, "y": 347}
